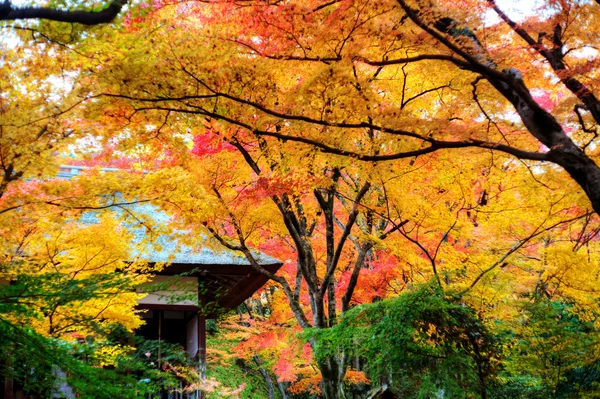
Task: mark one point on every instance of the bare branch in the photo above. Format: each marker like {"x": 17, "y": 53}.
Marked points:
{"x": 106, "y": 15}
{"x": 422, "y": 57}
{"x": 345, "y": 234}
{"x": 518, "y": 245}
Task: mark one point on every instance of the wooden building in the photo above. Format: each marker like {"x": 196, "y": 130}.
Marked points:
{"x": 197, "y": 283}
{"x": 193, "y": 283}
{"x": 196, "y": 286}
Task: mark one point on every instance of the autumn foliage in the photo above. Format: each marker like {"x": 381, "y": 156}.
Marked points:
{"x": 443, "y": 153}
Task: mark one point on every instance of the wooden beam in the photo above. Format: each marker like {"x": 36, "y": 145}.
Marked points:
{"x": 183, "y": 308}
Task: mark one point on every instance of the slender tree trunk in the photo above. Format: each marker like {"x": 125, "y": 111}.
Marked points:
{"x": 248, "y": 309}
{"x": 283, "y": 386}
{"x": 260, "y": 307}
{"x": 332, "y": 372}
{"x": 331, "y": 309}
{"x": 266, "y": 376}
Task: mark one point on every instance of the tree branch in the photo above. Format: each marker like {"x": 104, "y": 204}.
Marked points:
{"x": 106, "y": 15}
{"x": 338, "y": 251}
{"x": 556, "y": 61}
{"x": 519, "y": 244}
{"x": 422, "y": 57}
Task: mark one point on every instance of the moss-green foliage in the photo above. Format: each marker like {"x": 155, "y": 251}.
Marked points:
{"x": 426, "y": 345}
{"x": 422, "y": 343}
{"x": 33, "y": 360}
{"x": 552, "y": 353}
{"x": 23, "y": 351}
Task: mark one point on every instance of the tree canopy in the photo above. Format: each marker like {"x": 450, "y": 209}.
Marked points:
{"x": 391, "y": 153}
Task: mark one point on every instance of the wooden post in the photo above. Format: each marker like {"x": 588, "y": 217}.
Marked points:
{"x": 201, "y": 350}
{"x": 160, "y": 322}
{"x": 8, "y": 387}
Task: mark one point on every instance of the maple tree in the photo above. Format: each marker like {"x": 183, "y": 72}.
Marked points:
{"x": 39, "y": 220}
{"x": 299, "y": 81}
{"x": 335, "y": 135}
{"x": 319, "y": 214}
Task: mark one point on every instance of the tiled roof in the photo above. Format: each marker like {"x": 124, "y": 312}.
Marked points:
{"x": 168, "y": 249}
{"x": 226, "y": 277}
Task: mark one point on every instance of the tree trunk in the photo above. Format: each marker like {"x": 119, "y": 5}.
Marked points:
{"x": 283, "y": 386}
{"x": 8, "y": 387}
{"x": 332, "y": 373}
{"x": 266, "y": 376}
